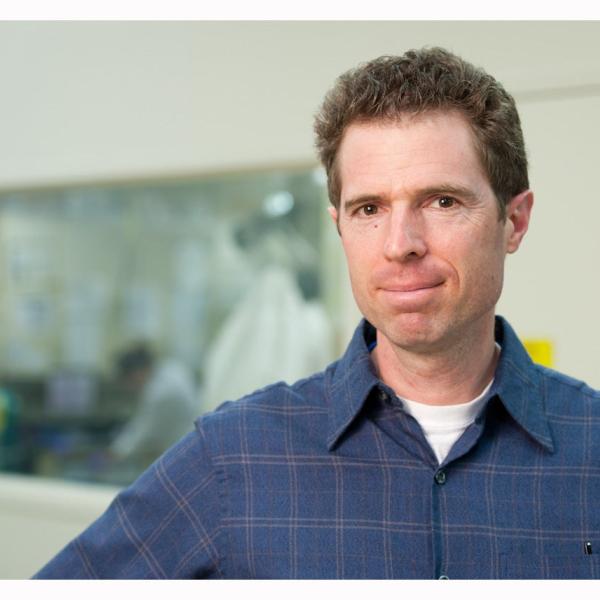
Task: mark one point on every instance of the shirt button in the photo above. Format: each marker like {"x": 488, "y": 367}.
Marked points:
{"x": 440, "y": 477}
{"x": 443, "y": 577}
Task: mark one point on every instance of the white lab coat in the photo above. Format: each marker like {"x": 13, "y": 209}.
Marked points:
{"x": 273, "y": 334}
{"x": 166, "y": 412}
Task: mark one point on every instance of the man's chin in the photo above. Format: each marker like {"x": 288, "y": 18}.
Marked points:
{"x": 413, "y": 332}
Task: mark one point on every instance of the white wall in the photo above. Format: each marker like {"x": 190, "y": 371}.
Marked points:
{"x": 40, "y": 516}
{"x": 552, "y": 284}
{"x": 99, "y": 101}
{"x": 103, "y": 100}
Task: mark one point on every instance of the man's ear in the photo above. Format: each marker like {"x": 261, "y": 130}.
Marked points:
{"x": 334, "y": 216}
{"x": 518, "y": 213}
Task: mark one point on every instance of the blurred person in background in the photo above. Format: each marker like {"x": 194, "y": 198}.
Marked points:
{"x": 166, "y": 408}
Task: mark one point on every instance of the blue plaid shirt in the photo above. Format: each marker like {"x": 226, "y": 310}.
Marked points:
{"x": 330, "y": 478}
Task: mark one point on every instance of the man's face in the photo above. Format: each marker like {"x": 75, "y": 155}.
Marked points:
{"x": 420, "y": 228}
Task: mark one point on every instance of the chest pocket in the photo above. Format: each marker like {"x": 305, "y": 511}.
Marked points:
{"x": 518, "y": 565}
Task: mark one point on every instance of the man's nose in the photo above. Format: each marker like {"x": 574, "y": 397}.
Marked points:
{"x": 405, "y": 236}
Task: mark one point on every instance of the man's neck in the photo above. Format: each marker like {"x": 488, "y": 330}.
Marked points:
{"x": 452, "y": 375}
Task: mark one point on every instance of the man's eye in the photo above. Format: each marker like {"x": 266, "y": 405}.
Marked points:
{"x": 369, "y": 209}
{"x": 446, "y": 202}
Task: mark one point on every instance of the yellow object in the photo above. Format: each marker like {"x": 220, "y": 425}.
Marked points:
{"x": 540, "y": 350}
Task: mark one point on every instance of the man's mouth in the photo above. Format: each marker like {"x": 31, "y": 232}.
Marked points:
{"x": 410, "y": 296}
{"x": 411, "y": 287}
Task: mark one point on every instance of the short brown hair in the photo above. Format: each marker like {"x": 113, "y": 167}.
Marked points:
{"x": 429, "y": 79}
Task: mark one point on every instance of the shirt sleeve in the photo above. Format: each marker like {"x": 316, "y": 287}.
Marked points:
{"x": 164, "y": 526}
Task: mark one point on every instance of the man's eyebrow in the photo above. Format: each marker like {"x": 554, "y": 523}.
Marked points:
{"x": 447, "y": 188}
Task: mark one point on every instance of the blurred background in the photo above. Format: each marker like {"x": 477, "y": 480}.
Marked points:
{"x": 165, "y": 245}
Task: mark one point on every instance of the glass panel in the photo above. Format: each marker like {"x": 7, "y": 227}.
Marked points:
{"x": 130, "y": 309}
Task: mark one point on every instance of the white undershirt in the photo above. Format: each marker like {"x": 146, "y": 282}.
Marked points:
{"x": 443, "y": 425}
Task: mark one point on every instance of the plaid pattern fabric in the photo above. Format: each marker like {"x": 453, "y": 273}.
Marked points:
{"x": 329, "y": 478}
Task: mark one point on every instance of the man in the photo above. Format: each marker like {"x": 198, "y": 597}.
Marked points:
{"x": 434, "y": 448}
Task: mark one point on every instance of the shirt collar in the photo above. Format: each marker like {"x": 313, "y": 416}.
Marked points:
{"x": 517, "y": 383}
{"x": 520, "y": 386}
{"x": 349, "y": 382}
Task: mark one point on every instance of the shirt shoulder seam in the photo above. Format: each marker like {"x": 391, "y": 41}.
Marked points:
{"x": 580, "y": 386}
{"x": 301, "y": 383}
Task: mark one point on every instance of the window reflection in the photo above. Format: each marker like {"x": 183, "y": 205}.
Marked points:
{"x": 218, "y": 282}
